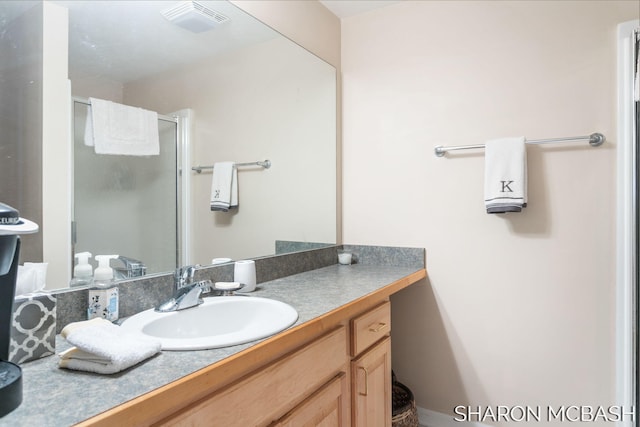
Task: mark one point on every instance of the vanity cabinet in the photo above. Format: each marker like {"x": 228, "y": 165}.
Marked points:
{"x": 371, "y": 368}
{"x": 341, "y": 379}
{"x": 370, "y": 380}
{"x": 333, "y": 370}
{"x": 311, "y": 380}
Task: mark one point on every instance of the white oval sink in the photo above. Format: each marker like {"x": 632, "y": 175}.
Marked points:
{"x": 218, "y": 322}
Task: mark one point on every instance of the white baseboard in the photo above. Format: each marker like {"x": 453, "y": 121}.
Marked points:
{"x": 429, "y": 418}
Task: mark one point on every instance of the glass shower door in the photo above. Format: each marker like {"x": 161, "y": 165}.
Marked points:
{"x": 126, "y": 205}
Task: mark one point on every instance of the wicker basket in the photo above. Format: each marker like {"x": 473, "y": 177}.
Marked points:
{"x": 404, "y": 413}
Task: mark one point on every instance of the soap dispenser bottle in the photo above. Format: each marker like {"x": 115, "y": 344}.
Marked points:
{"x": 82, "y": 272}
{"x": 103, "y": 295}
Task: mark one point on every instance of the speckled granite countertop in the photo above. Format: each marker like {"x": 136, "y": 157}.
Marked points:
{"x": 59, "y": 397}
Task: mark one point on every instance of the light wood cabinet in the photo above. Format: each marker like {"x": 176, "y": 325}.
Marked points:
{"x": 266, "y": 395}
{"x": 317, "y": 385}
{"x": 371, "y": 379}
{"x": 327, "y": 407}
{"x": 370, "y": 327}
{"x": 371, "y": 368}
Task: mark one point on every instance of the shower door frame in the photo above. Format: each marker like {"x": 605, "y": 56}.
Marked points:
{"x": 627, "y": 228}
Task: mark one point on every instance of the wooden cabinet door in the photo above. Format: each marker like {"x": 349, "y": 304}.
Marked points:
{"x": 371, "y": 386}
{"x": 327, "y": 407}
{"x": 272, "y": 391}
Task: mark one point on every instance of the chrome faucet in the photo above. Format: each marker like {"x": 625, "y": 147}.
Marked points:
{"x": 187, "y": 293}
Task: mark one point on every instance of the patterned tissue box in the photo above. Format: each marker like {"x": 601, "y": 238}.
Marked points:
{"x": 33, "y": 332}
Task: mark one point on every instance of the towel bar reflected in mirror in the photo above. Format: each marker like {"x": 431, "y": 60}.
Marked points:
{"x": 265, "y": 164}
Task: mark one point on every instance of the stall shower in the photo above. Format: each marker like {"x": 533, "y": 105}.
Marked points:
{"x": 127, "y": 205}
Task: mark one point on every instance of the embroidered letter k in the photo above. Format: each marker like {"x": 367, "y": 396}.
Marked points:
{"x": 505, "y": 186}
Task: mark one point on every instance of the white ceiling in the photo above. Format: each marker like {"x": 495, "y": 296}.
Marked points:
{"x": 347, "y": 8}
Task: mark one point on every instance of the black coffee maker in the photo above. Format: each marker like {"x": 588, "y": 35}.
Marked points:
{"x": 11, "y": 225}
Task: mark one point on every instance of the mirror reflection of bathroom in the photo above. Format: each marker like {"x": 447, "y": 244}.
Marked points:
{"x": 255, "y": 95}
{"x": 234, "y": 103}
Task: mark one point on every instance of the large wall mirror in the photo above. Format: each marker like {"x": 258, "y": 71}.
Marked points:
{"x": 233, "y": 90}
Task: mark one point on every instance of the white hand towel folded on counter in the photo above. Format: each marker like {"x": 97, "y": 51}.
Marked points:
{"x": 224, "y": 187}
{"x": 118, "y": 129}
{"x": 505, "y": 175}
{"x": 104, "y": 348}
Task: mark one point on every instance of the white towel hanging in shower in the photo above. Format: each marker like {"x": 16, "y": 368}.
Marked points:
{"x": 118, "y": 129}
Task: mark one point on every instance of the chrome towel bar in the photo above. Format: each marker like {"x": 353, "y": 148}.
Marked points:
{"x": 265, "y": 164}
{"x": 595, "y": 140}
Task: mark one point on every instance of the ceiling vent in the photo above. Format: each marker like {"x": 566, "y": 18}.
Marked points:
{"x": 194, "y": 16}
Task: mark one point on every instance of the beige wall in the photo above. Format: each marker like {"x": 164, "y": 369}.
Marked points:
{"x": 518, "y": 309}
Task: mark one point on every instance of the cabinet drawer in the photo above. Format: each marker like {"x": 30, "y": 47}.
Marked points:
{"x": 272, "y": 391}
{"x": 369, "y": 327}
{"x": 327, "y": 407}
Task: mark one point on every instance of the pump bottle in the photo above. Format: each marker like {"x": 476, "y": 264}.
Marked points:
{"x": 82, "y": 272}
{"x": 103, "y": 295}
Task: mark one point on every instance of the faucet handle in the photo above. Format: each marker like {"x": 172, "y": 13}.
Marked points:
{"x": 191, "y": 271}
{"x": 183, "y": 276}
